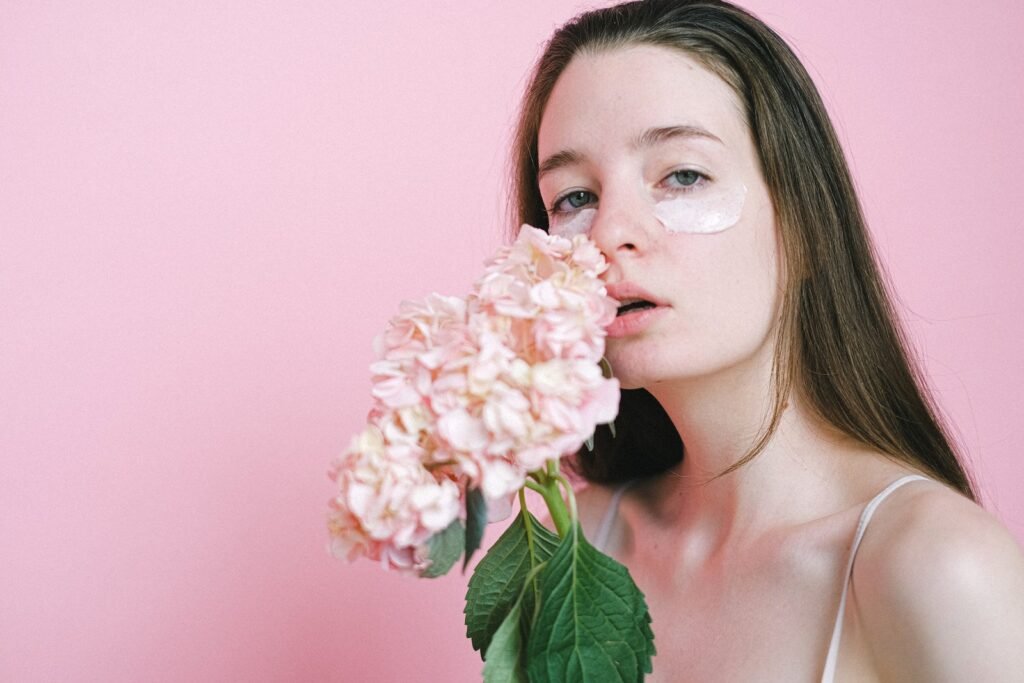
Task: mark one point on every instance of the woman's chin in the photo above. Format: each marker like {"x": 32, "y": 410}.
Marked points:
{"x": 631, "y": 373}
{"x": 642, "y": 371}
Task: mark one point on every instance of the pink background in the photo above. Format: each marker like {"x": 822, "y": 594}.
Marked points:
{"x": 207, "y": 213}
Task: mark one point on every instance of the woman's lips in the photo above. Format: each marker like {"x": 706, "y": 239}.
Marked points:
{"x": 628, "y": 291}
{"x": 634, "y": 322}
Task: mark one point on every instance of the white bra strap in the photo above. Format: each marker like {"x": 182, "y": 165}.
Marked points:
{"x": 833, "y": 649}
{"x": 605, "y": 530}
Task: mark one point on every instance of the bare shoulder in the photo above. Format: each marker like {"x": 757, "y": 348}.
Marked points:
{"x": 938, "y": 585}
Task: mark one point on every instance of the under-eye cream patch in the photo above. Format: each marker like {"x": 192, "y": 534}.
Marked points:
{"x": 713, "y": 211}
{"x": 579, "y": 224}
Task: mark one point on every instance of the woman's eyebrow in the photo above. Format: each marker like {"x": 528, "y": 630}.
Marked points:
{"x": 653, "y": 136}
{"x": 567, "y": 157}
{"x": 648, "y": 138}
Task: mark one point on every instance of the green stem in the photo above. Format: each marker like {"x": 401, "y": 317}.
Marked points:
{"x": 527, "y": 524}
{"x": 548, "y": 485}
{"x": 570, "y": 495}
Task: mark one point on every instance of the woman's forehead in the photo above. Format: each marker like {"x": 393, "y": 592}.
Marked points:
{"x": 613, "y": 96}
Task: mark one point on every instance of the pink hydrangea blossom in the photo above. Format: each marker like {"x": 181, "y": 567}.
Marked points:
{"x": 476, "y": 393}
{"x": 387, "y": 506}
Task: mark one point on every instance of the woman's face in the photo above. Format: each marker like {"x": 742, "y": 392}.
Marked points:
{"x": 649, "y": 153}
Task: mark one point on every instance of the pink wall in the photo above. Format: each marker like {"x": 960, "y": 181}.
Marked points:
{"x": 207, "y": 213}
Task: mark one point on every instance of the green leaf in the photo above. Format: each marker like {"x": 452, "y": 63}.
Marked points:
{"x": 445, "y": 548}
{"x": 505, "y": 653}
{"x": 498, "y": 580}
{"x": 504, "y": 658}
{"x": 593, "y": 623}
{"x": 476, "y": 521}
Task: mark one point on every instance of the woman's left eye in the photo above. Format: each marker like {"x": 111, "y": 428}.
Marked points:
{"x": 685, "y": 178}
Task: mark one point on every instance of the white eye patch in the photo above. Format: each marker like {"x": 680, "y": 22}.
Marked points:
{"x": 579, "y": 224}
{"x": 713, "y": 211}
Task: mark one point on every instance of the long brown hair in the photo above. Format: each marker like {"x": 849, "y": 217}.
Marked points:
{"x": 840, "y": 343}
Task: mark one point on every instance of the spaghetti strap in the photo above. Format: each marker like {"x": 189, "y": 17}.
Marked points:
{"x": 837, "y": 631}
{"x": 605, "y": 530}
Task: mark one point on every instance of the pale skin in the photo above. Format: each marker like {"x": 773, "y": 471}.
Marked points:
{"x": 743, "y": 574}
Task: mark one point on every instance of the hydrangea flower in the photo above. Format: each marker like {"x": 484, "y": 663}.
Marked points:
{"x": 476, "y": 393}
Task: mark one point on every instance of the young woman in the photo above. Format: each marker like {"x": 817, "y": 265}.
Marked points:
{"x": 773, "y": 430}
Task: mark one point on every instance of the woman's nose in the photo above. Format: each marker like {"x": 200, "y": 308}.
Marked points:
{"x": 622, "y": 224}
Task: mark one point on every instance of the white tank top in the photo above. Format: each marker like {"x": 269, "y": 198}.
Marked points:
{"x": 828, "y": 676}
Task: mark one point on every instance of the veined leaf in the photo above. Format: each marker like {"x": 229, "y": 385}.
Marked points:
{"x": 593, "y": 623}
{"x": 445, "y": 548}
{"x": 476, "y": 521}
{"x": 498, "y": 580}
{"x": 504, "y": 658}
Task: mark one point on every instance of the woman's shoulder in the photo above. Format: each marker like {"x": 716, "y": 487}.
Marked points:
{"x": 929, "y": 530}
{"x": 939, "y": 587}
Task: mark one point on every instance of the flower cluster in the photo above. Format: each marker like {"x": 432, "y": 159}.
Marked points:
{"x": 476, "y": 393}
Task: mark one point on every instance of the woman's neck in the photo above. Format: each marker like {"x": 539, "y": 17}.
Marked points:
{"x": 800, "y": 475}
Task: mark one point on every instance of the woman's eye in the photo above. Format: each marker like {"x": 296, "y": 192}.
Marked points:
{"x": 572, "y": 201}
{"x": 686, "y": 177}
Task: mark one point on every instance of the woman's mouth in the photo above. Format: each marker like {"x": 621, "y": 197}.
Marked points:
{"x": 638, "y": 309}
{"x": 633, "y": 317}
{"x": 630, "y": 305}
